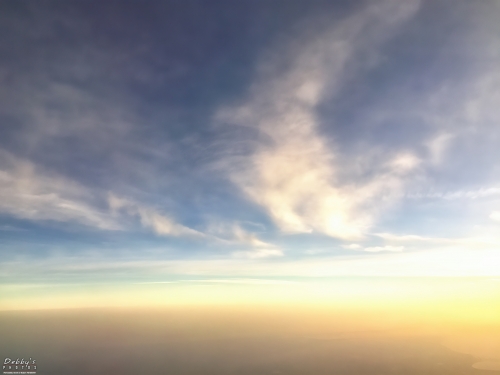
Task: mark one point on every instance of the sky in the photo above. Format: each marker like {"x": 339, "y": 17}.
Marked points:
{"x": 227, "y": 149}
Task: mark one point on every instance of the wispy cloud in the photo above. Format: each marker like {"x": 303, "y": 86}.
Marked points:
{"x": 294, "y": 173}
{"x": 495, "y": 215}
{"x": 244, "y": 281}
{"x": 480, "y": 241}
{"x": 374, "y": 249}
{"x": 484, "y": 192}
{"x": 435, "y": 261}
{"x": 151, "y": 218}
{"x": 378, "y": 249}
{"x": 438, "y": 147}
{"x": 259, "y": 253}
{"x": 29, "y": 193}
{"x": 235, "y": 233}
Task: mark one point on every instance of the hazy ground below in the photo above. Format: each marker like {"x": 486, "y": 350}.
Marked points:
{"x": 214, "y": 342}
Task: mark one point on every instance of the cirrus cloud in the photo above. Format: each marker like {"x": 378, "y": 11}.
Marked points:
{"x": 294, "y": 172}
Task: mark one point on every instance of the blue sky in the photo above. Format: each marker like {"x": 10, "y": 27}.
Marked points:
{"x": 249, "y": 138}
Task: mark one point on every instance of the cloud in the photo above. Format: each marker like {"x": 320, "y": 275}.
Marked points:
{"x": 374, "y": 249}
{"x": 353, "y": 246}
{"x": 243, "y": 236}
{"x": 404, "y": 162}
{"x": 233, "y": 233}
{"x": 378, "y": 249}
{"x": 163, "y": 225}
{"x": 434, "y": 261}
{"x": 484, "y": 192}
{"x": 495, "y": 215}
{"x": 259, "y": 253}
{"x": 406, "y": 237}
{"x": 294, "y": 174}
{"x": 484, "y": 240}
{"x": 160, "y": 224}
{"x": 438, "y": 146}
{"x": 463, "y": 111}
{"x": 30, "y": 193}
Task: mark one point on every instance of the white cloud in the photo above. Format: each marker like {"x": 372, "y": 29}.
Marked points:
{"x": 259, "y": 253}
{"x": 483, "y": 240}
{"x": 234, "y": 233}
{"x": 163, "y": 225}
{"x": 295, "y": 174}
{"x": 378, "y": 249}
{"x": 404, "y": 238}
{"x": 250, "y": 238}
{"x": 353, "y": 246}
{"x": 438, "y": 146}
{"x": 466, "y": 110}
{"x": 374, "y": 249}
{"x": 495, "y": 215}
{"x": 404, "y": 162}
{"x": 151, "y": 219}
{"x": 434, "y": 261}
{"x": 30, "y": 193}
{"x": 485, "y": 192}
{"x": 27, "y": 193}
